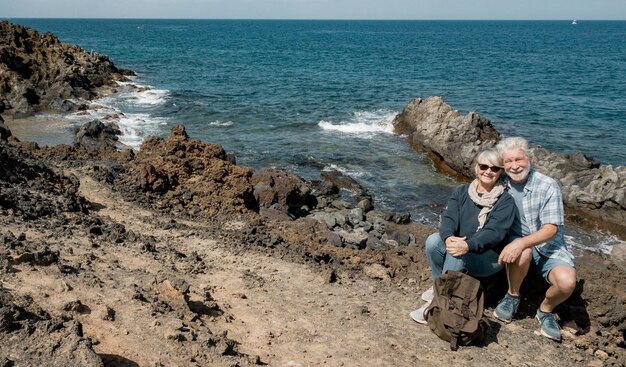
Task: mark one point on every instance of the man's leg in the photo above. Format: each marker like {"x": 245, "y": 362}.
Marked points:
{"x": 515, "y": 272}
{"x": 562, "y": 284}
{"x": 561, "y": 276}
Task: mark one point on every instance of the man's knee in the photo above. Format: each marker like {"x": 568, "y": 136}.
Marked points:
{"x": 563, "y": 278}
{"x": 525, "y": 257}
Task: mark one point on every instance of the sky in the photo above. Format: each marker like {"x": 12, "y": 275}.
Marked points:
{"x": 317, "y": 9}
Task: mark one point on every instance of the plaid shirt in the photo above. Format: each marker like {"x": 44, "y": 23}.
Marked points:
{"x": 543, "y": 204}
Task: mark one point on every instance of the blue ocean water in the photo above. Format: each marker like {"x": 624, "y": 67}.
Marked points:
{"x": 313, "y": 95}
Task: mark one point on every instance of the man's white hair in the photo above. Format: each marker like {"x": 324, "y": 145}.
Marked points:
{"x": 514, "y": 143}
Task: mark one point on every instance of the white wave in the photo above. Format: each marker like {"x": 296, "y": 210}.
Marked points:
{"x": 136, "y": 127}
{"x": 604, "y": 244}
{"x": 354, "y": 172}
{"x": 144, "y": 95}
{"x": 363, "y": 123}
{"x": 221, "y": 124}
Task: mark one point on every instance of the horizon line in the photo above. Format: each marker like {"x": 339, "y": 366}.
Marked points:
{"x": 324, "y": 19}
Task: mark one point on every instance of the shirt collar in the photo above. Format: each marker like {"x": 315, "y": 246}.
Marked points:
{"x": 528, "y": 184}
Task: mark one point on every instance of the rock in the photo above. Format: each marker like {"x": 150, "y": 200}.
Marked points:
{"x": 593, "y": 194}
{"x": 357, "y": 238}
{"x": 402, "y": 218}
{"x": 109, "y": 314}
{"x": 376, "y": 216}
{"x": 450, "y": 139}
{"x": 618, "y": 253}
{"x": 366, "y": 205}
{"x": 335, "y": 239}
{"x": 601, "y": 354}
{"x": 343, "y": 182}
{"x": 192, "y": 176}
{"x": 323, "y": 188}
{"x": 355, "y": 215}
{"x": 276, "y": 186}
{"x": 95, "y": 135}
{"x": 330, "y": 219}
{"x": 377, "y": 271}
{"x": 5, "y": 132}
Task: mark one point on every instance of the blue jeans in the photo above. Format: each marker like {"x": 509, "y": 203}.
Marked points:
{"x": 478, "y": 265}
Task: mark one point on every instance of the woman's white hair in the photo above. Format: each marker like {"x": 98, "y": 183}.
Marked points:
{"x": 514, "y": 143}
{"x": 491, "y": 155}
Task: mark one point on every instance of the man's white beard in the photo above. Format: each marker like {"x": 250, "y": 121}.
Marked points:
{"x": 520, "y": 176}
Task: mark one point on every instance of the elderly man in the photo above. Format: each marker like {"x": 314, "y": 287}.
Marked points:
{"x": 540, "y": 204}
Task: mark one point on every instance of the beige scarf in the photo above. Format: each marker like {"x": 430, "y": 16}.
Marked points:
{"x": 486, "y": 200}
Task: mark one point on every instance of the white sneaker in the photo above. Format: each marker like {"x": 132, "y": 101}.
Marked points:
{"x": 419, "y": 314}
{"x": 428, "y": 294}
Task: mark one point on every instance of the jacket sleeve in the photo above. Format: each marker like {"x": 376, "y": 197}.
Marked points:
{"x": 499, "y": 221}
{"x": 451, "y": 216}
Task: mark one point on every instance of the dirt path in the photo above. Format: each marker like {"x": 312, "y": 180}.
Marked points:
{"x": 135, "y": 306}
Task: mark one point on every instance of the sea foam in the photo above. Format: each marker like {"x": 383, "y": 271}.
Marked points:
{"x": 129, "y": 109}
{"x": 363, "y": 123}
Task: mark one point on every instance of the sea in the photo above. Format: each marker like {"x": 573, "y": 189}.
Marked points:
{"x": 315, "y": 95}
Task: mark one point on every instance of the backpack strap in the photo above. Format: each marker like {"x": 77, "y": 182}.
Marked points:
{"x": 454, "y": 335}
{"x": 467, "y": 297}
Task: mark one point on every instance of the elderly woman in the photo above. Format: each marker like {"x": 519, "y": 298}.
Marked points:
{"x": 477, "y": 219}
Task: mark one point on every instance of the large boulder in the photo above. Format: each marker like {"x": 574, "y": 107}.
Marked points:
{"x": 450, "y": 139}
{"x": 95, "y": 135}
{"x": 594, "y": 194}
{"x": 192, "y": 176}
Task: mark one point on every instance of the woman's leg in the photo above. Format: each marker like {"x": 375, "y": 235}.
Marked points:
{"x": 436, "y": 254}
{"x": 482, "y": 265}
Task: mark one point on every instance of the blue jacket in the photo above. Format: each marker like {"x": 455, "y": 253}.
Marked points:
{"x": 461, "y": 219}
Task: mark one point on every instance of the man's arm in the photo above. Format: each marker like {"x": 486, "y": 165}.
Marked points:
{"x": 513, "y": 250}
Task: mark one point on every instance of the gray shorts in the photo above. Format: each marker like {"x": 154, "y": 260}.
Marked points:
{"x": 544, "y": 264}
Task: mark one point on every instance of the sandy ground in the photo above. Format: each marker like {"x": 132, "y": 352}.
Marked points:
{"x": 285, "y": 313}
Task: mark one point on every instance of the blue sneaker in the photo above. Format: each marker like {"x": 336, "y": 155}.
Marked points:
{"x": 549, "y": 326}
{"x": 507, "y": 307}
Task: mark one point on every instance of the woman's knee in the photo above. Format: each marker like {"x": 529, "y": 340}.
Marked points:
{"x": 434, "y": 242}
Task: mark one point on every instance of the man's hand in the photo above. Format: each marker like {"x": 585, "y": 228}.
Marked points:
{"x": 511, "y": 252}
{"x": 456, "y": 246}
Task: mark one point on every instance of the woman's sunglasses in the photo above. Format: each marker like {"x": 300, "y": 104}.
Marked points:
{"x": 484, "y": 167}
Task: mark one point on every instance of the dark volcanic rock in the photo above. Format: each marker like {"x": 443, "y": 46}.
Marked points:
{"x": 276, "y": 186}
{"x": 192, "y": 175}
{"x": 31, "y": 188}
{"x": 38, "y": 71}
{"x": 95, "y": 135}
{"x": 593, "y": 194}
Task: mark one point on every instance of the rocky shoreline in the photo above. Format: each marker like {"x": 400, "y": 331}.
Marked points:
{"x": 175, "y": 255}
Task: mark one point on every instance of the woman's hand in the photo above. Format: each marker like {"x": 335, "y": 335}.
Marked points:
{"x": 457, "y": 246}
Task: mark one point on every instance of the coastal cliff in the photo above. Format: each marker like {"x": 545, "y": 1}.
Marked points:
{"x": 594, "y": 194}
{"x": 175, "y": 255}
{"x": 39, "y": 72}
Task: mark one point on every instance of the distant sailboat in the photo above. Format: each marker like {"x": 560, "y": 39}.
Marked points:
{"x": 574, "y": 22}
